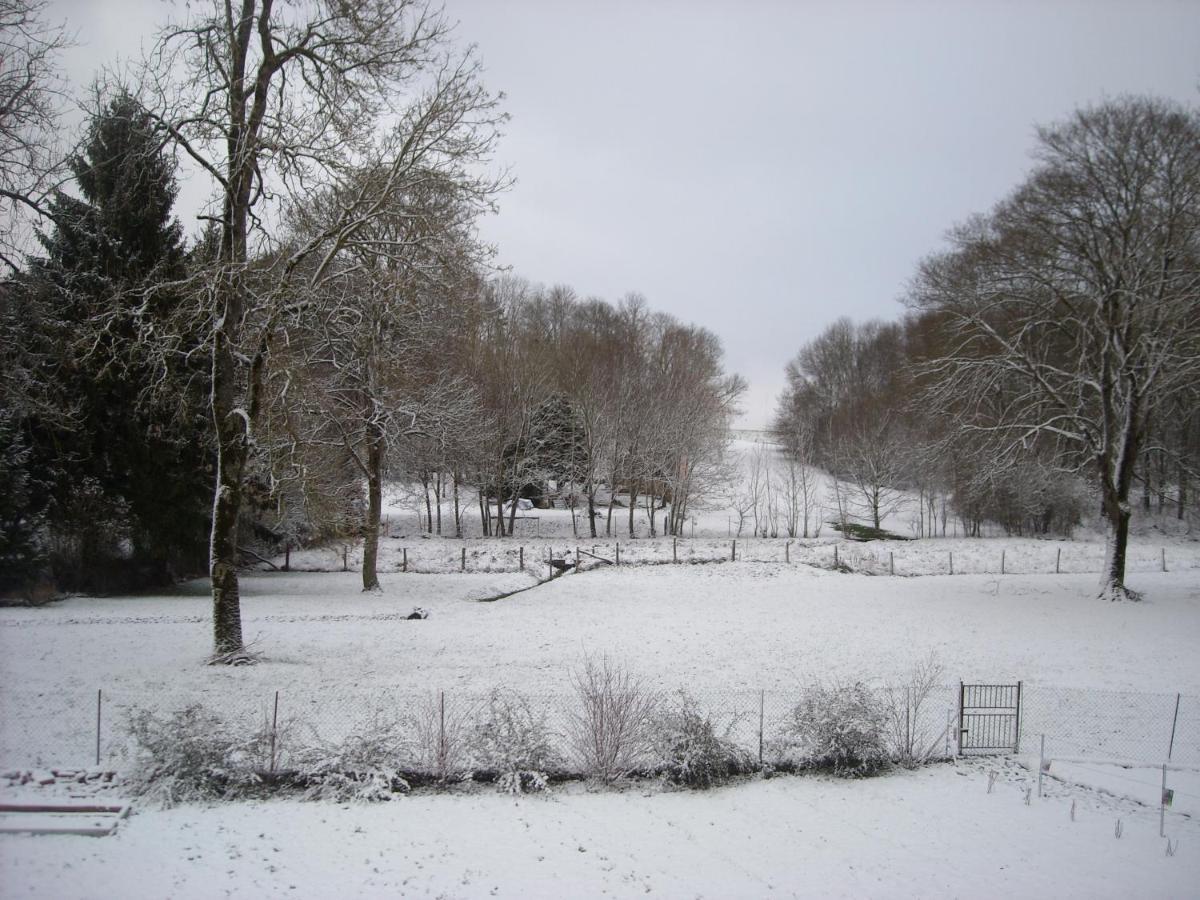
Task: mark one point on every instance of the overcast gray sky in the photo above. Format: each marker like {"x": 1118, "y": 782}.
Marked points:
{"x": 761, "y": 168}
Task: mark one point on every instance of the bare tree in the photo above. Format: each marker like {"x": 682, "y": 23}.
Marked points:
{"x": 30, "y": 93}
{"x": 1075, "y": 306}
{"x": 273, "y": 103}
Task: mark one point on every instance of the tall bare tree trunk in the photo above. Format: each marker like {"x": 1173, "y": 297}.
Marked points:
{"x": 437, "y": 496}
{"x": 633, "y": 495}
{"x": 1116, "y": 480}
{"x": 457, "y": 513}
{"x": 375, "y": 450}
{"x": 232, "y": 448}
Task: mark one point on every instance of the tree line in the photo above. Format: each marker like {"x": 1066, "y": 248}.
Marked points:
{"x": 1049, "y": 361}
{"x": 168, "y": 406}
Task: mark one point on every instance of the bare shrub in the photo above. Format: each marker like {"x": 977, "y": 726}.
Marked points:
{"x": 440, "y": 732}
{"x": 690, "y": 751}
{"x": 365, "y": 765}
{"x": 514, "y": 742}
{"x": 191, "y": 754}
{"x": 842, "y": 728}
{"x": 915, "y": 732}
{"x": 611, "y": 730}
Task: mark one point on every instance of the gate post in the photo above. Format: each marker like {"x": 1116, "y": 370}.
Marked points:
{"x": 962, "y": 694}
{"x": 1017, "y": 737}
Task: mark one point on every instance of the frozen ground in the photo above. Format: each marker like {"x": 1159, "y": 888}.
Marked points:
{"x": 932, "y": 833}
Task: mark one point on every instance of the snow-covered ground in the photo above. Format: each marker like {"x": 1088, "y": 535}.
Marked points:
{"x": 724, "y": 631}
{"x": 931, "y": 833}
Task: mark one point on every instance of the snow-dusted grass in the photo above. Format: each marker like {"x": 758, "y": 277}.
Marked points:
{"x": 931, "y": 833}
{"x": 722, "y": 631}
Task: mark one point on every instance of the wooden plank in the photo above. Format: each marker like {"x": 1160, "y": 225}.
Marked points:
{"x": 121, "y": 809}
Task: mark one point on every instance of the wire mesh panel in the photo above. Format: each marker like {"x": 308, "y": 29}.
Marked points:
{"x": 1115, "y": 725}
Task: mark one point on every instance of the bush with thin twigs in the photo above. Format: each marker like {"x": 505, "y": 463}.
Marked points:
{"x": 515, "y": 743}
{"x": 841, "y": 728}
{"x": 689, "y": 750}
{"x": 916, "y": 736}
{"x": 365, "y": 765}
{"x": 192, "y": 754}
{"x": 440, "y": 730}
{"x": 611, "y": 730}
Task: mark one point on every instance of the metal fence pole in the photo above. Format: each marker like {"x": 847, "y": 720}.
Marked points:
{"x": 1162, "y": 805}
{"x": 1041, "y": 766}
{"x": 1174, "y": 722}
{"x": 274, "y": 729}
{"x": 99, "y": 699}
{"x": 1017, "y": 739}
{"x": 762, "y": 698}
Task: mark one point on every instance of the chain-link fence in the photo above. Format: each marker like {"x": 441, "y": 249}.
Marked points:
{"x": 1111, "y": 725}
{"x": 85, "y": 728}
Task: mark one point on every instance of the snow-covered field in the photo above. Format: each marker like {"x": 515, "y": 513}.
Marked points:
{"x": 725, "y": 632}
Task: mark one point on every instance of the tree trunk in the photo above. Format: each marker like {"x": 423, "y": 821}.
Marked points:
{"x": 370, "y": 577}
{"x": 437, "y": 496}
{"x": 428, "y": 505}
{"x": 500, "y": 501}
{"x": 633, "y": 495}
{"x": 1113, "y": 584}
{"x": 591, "y": 497}
{"x": 457, "y": 512}
{"x": 232, "y": 448}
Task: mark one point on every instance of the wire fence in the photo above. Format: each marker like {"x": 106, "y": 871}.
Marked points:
{"x": 92, "y": 728}
{"x": 897, "y": 558}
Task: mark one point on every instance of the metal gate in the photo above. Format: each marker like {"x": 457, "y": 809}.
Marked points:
{"x": 989, "y": 717}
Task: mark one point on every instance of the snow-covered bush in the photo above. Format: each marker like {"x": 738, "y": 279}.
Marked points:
{"x": 365, "y": 765}
{"x": 514, "y": 742}
{"x": 690, "y": 751}
{"x": 612, "y": 729}
{"x": 842, "y": 728}
{"x": 192, "y": 754}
